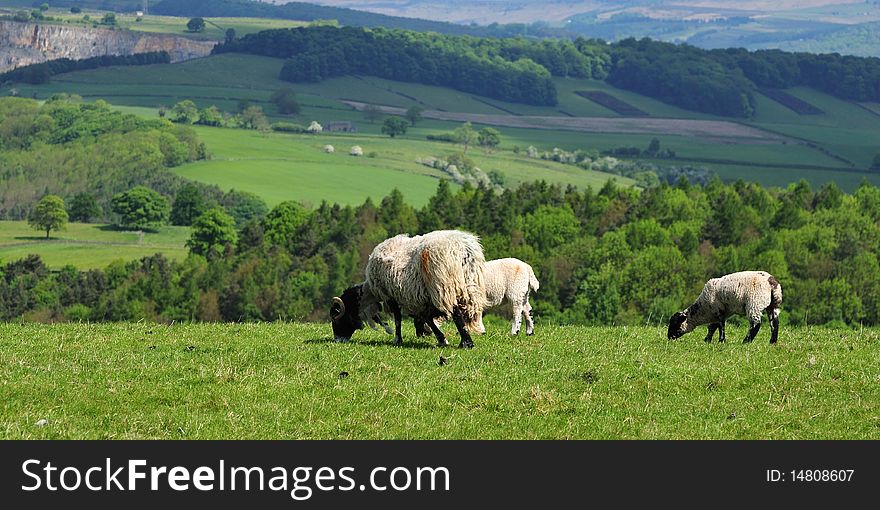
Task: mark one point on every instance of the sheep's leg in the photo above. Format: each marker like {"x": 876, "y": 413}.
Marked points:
{"x": 422, "y": 328}
{"x": 721, "y": 336}
{"x": 753, "y": 330}
{"x": 530, "y": 325}
{"x": 517, "y": 318}
{"x": 712, "y": 327}
{"x": 441, "y": 338}
{"x": 774, "y": 325}
{"x": 458, "y": 319}
{"x": 398, "y": 320}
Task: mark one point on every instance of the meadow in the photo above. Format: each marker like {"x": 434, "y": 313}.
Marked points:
{"x": 89, "y": 246}
{"x": 290, "y": 381}
{"x": 838, "y": 145}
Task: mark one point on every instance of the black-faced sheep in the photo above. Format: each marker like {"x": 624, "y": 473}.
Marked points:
{"x": 748, "y": 293}
{"x": 436, "y": 275}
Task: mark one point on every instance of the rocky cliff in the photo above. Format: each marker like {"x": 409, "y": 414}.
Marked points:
{"x": 29, "y": 43}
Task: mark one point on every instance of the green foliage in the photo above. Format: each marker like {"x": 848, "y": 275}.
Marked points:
{"x": 285, "y": 101}
{"x": 413, "y": 114}
{"x": 141, "y": 208}
{"x": 210, "y": 116}
{"x": 185, "y": 112}
{"x": 189, "y": 203}
{"x": 84, "y": 208}
{"x": 489, "y": 138}
{"x": 283, "y": 221}
{"x": 49, "y": 214}
{"x": 213, "y": 233}
{"x": 244, "y": 207}
{"x": 372, "y": 113}
{"x": 195, "y": 25}
{"x": 465, "y": 135}
{"x": 253, "y": 118}
{"x": 394, "y": 126}
{"x": 109, "y": 19}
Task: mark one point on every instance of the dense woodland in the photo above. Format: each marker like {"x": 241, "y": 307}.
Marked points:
{"x": 517, "y": 69}
{"x": 42, "y": 72}
{"x": 612, "y": 256}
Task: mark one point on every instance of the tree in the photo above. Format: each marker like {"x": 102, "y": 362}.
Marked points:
{"x": 285, "y": 100}
{"x": 244, "y": 206}
{"x": 195, "y": 25}
{"x": 109, "y": 19}
{"x": 253, "y": 118}
{"x": 210, "y": 116}
{"x": 75, "y": 10}
{"x": 413, "y": 114}
{"x": 283, "y": 221}
{"x": 372, "y": 113}
{"x": 189, "y": 204}
{"x": 212, "y": 232}
{"x": 465, "y": 135}
{"x": 140, "y": 208}
{"x": 394, "y": 126}
{"x": 49, "y": 215}
{"x": 185, "y": 112}
{"x": 230, "y": 35}
{"x": 653, "y": 147}
{"x": 489, "y": 138}
{"x": 83, "y": 207}
{"x": 44, "y": 7}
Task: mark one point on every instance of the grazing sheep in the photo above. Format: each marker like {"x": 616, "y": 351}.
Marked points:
{"x": 436, "y": 275}
{"x": 507, "y": 280}
{"x": 748, "y": 293}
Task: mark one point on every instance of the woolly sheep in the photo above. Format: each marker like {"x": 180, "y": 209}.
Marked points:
{"x": 748, "y": 293}
{"x": 507, "y": 280}
{"x": 356, "y": 150}
{"x": 329, "y": 149}
{"x": 436, "y": 275}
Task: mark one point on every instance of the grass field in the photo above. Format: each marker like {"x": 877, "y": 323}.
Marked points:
{"x": 286, "y": 381}
{"x": 838, "y": 145}
{"x": 88, "y": 246}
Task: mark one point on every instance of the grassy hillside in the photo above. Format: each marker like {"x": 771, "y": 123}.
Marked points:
{"x": 290, "y": 381}
{"x": 294, "y": 167}
{"x": 88, "y": 246}
{"x": 837, "y": 145}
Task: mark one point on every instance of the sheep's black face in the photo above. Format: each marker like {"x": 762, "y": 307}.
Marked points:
{"x": 676, "y": 325}
{"x": 345, "y": 314}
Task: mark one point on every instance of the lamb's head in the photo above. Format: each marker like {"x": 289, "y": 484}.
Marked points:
{"x": 677, "y": 325}
{"x": 345, "y": 314}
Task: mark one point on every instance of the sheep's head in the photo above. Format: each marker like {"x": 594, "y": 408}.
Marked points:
{"x": 677, "y": 325}
{"x": 344, "y": 314}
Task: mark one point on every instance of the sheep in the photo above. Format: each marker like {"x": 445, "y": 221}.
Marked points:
{"x": 436, "y": 275}
{"x": 506, "y": 280}
{"x": 748, "y": 293}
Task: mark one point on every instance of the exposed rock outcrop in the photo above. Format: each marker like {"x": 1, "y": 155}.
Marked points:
{"x": 22, "y": 44}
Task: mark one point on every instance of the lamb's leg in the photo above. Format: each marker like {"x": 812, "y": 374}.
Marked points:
{"x": 441, "y": 338}
{"x": 530, "y": 325}
{"x": 517, "y": 318}
{"x": 753, "y": 330}
{"x": 712, "y": 327}
{"x": 774, "y": 325}
{"x": 721, "y": 336}
{"x": 398, "y": 320}
{"x": 422, "y": 328}
{"x": 462, "y": 329}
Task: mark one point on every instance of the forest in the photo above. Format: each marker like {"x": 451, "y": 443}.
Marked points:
{"x": 609, "y": 256}
{"x": 42, "y": 72}
{"x": 515, "y": 69}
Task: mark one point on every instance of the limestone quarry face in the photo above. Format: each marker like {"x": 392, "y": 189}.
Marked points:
{"x": 23, "y": 44}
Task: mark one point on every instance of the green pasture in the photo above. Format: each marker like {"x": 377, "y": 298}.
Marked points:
{"x": 291, "y": 381}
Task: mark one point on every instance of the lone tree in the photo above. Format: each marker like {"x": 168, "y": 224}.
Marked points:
{"x": 49, "y": 215}
{"x": 394, "y": 126}
{"x": 489, "y": 138}
{"x": 253, "y": 118}
{"x": 83, "y": 208}
{"x": 285, "y": 100}
{"x": 372, "y": 113}
{"x": 413, "y": 114}
{"x": 465, "y": 135}
{"x": 212, "y": 232}
{"x": 109, "y": 19}
{"x": 230, "y": 35}
{"x": 195, "y": 25}
{"x": 185, "y": 112}
{"x": 141, "y": 208}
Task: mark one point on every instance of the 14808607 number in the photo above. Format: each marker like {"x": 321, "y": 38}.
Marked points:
{"x": 821, "y": 475}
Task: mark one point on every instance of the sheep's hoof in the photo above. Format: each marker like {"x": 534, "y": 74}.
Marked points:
{"x": 530, "y": 333}
{"x": 466, "y": 345}
{"x": 444, "y": 343}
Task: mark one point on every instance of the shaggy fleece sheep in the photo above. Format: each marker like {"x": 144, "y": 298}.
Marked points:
{"x": 511, "y": 280}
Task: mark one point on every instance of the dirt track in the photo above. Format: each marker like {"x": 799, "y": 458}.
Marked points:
{"x": 714, "y": 130}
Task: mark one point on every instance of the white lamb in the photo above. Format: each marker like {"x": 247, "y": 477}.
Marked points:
{"x": 507, "y": 280}
{"x": 749, "y": 293}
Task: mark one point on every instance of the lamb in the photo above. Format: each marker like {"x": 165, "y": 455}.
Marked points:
{"x": 436, "y": 275}
{"x": 507, "y": 280}
{"x": 748, "y": 293}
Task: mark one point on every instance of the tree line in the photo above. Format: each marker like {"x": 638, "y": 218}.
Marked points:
{"x": 610, "y": 256}
{"x": 42, "y": 72}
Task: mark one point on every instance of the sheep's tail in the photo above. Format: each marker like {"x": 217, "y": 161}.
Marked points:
{"x": 533, "y": 282}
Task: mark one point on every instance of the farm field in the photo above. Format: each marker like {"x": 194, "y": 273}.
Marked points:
{"x": 286, "y": 381}
{"x": 837, "y": 145}
{"x": 87, "y": 245}
{"x": 282, "y": 167}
